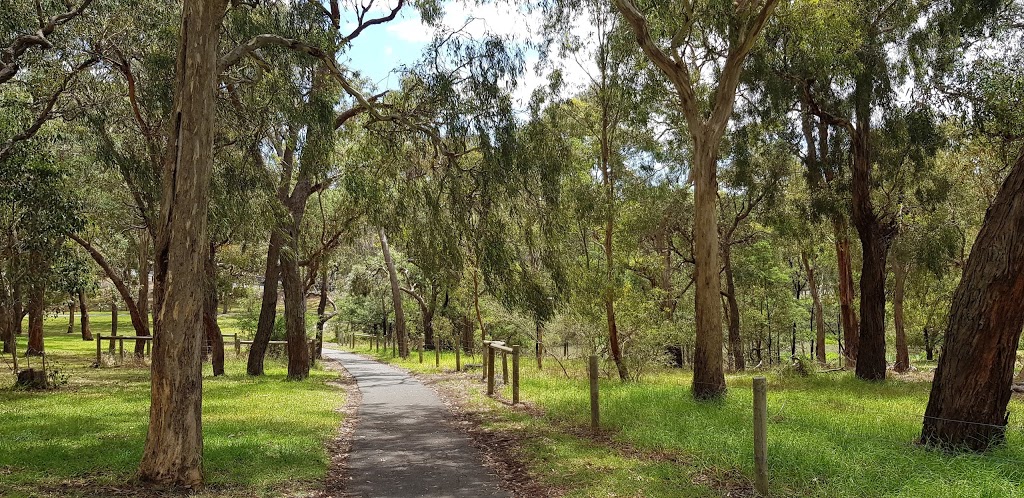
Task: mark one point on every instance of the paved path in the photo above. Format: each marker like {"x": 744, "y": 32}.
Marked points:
{"x": 403, "y": 446}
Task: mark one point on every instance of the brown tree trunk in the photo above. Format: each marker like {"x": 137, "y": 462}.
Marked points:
{"x": 143, "y": 302}
{"x": 708, "y": 373}
{"x": 902, "y": 352}
{"x": 84, "y": 307}
{"x": 36, "y": 310}
{"x": 819, "y": 315}
{"x": 609, "y": 227}
{"x": 268, "y": 306}
{"x": 396, "y": 296}
{"x": 71, "y": 317}
{"x": 294, "y": 308}
{"x": 173, "y": 452}
{"x": 6, "y": 318}
{"x": 735, "y": 339}
{"x": 321, "y": 314}
{"x": 847, "y": 313}
{"x": 214, "y": 338}
{"x": 18, "y": 307}
{"x": 971, "y": 389}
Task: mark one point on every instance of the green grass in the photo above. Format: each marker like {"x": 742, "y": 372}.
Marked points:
{"x": 262, "y": 436}
{"x": 829, "y": 434}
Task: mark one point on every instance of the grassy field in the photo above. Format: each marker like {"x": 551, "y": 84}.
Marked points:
{"x": 829, "y": 434}
{"x": 262, "y": 437}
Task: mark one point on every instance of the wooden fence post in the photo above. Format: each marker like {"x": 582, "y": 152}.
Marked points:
{"x": 238, "y": 346}
{"x": 504, "y": 369}
{"x": 458, "y": 357}
{"x": 761, "y": 435}
{"x": 595, "y": 415}
{"x": 437, "y": 353}
{"x": 420, "y": 348}
{"x": 99, "y": 345}
{"x": 490, "y": 370}
{"x": 515, "y": 375}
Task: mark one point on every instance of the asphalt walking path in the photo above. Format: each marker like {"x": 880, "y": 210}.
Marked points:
{"x": 403, "y": 446}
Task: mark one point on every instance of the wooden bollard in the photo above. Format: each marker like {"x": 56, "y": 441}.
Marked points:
{"x": 483, "y": 362}
{"x": 458, "y": 357}
{"x": 504, "y": 369}
{"x": 490, "y": 370}
{"x": 515, "y": 375}
{"x": 420, "y": 347}
{"x": 761, "y": 436}
{"x": 238, "y": 346}
{"x": 99, "y": 346}
{"x": 437, "y": 353}
{"x": 595, "y": 413}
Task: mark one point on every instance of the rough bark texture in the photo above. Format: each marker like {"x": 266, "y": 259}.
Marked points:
{"x": 6, "y": 318}
{"x": 899, "y": 289}
{"x": 83, "y": 305}
{"x": 268, "y": 307}
{"x": 708, "y": 375}
{"x": 294, "y": 310}
{"x": 819, "y": 315}
{"x": 143, "y": 302}
{"x": 174, "y": 441}
{"x": 396, "y": 296}
{"x": 735, "y": 339}
{"x": 967, "y": 406}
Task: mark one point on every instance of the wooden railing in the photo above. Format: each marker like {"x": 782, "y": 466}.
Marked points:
{"x": 492, "y": 347}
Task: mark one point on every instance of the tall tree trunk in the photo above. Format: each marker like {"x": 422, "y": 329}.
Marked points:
{"x": 6, "y": 318}
{"x": 847, "y": 313}
{"x": 735, "y": 339}
{"x": 967, "y": 406}
{"x": 396, "y": 296}
{"x": 173, "y": 452}
{"x": 294, "y": 305}
{"x": 609, "y": 230}
{"x": 902, "y": 352}
{"x": 18, "y": 307}
{"x": 36, "y": 310}
{"x": 819, "y": 315}
{"x": 84, "y": 307}
{"x": 708, "y": 374}
{"x": 214, "y": 338}
{"x": 143, "y": 302}
{"x": 929, "y": 351}
{"x": 71, "y": 316}
{"x": 268, "y": 306}
{"x": 321, "y": 313}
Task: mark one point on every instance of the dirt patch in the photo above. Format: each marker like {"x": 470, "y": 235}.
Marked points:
{"x": 339, "y": 447}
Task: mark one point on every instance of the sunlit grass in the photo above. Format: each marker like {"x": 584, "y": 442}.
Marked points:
{"x": 262, "y": 436}
{"x": 829, "y": 434}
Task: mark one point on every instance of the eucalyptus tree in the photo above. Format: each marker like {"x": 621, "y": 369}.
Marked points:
{"x": 174, "y": 440}
{"x": 970, "y": 392}
{"x": 680, "y": 38}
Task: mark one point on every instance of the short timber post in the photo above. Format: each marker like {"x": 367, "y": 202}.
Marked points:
{"x": 504, "y": 368}
{"x": 437, "y": 353}
{"x": 761, "y": 436}
{"x": 490, "y": 370}
{"x": 595, "y": 415}
{"x": 99, "y": 346}
{"x": 515, "y": 375}
{"x": 238, "y": 346}
{"x": 458, "y": 357}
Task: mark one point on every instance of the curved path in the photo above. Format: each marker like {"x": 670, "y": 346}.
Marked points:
{"x": 402, "y": 445}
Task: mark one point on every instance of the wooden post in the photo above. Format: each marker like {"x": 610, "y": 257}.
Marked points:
{"x": 458, "y": 357}
{"x": 149, "y": 348}
{"x": 437, "y": 353}
{"x": 420, "y": 347}
{"x": 761, "y": 436}
{"x": 504, "y": 369}
{"x": 490, "y": 370}
{"x": 238, "y": 346}
{"x": 113, "y": 324}
{"x": 99, "y": 346}
{"x": 515, "y": 375}
{"x": 483, "y": 361}
{"x": 595, "y": 415}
